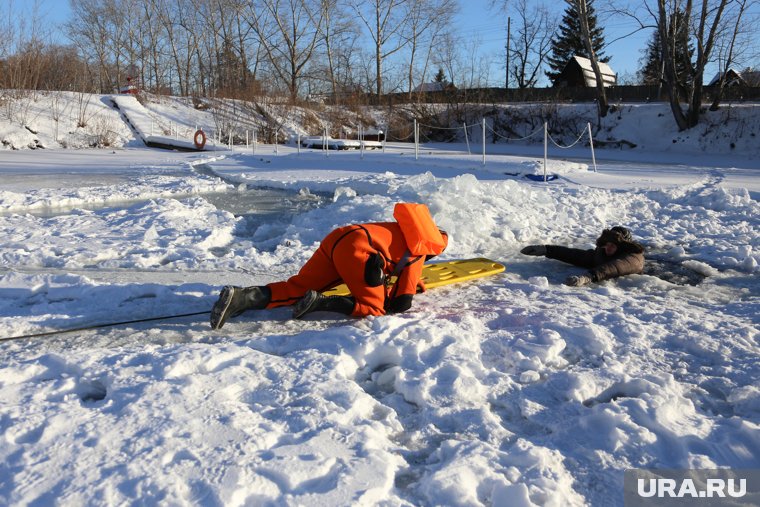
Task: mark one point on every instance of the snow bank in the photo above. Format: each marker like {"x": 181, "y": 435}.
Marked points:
{"x": 512, "y": 390}
{"x": 60, "y": 119}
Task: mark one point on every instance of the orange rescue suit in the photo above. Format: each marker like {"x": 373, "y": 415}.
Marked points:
{"x": 342, "y": 258}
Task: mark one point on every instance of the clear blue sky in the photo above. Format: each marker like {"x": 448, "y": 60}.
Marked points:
{"x": 489, "y": 26}
{"x": 475, "y": 20}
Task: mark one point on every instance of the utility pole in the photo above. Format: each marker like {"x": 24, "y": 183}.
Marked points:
{"x": 509, "y": 28}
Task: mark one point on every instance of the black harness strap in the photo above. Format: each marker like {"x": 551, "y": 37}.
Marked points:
{"x": 406, "y": 261}
{"x": 358, "y": 228}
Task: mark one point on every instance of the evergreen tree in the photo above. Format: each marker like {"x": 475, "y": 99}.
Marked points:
{"x": 568, "y": 42}
{"x": 440, "y": 77}
{"x": 651, "y": 72}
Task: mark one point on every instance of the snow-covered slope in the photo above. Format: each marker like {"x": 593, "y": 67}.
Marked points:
{"x": 55, "y": 119}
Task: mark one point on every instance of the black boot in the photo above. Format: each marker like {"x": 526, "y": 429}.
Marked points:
{"x": 313, "y": 301}
{"x": 235, "y": 300}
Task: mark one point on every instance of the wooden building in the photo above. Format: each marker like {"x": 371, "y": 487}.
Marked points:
{"x": 579, "y": 73}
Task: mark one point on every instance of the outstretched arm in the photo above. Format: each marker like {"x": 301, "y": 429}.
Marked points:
{"x": 574, "y": 256}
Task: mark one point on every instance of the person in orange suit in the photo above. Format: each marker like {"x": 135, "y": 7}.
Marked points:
{"x": 363, "y": 256}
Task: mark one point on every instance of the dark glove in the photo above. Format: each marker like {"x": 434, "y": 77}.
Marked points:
{"x": 578, "y": 281}
{"x": 534, "y": 250}
{"x": 400, "y": 303}
{"x": 374, "y": 276}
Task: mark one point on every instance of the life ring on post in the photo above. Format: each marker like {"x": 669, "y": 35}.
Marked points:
{"x": 199, "y": 139}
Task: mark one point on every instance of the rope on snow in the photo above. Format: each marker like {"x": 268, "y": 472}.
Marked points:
{"x": 99, "y": 326}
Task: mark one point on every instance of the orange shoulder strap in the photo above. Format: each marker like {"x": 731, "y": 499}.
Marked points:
{"x": 420, "y": 232}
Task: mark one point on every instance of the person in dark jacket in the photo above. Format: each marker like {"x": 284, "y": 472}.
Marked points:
{"x": 616, "y": 254}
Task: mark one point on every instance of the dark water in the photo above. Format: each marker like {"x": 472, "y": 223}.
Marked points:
{"x": 254, "y": 202}
{"x": 671, "y": 271}
{"x": 265, "y": 201}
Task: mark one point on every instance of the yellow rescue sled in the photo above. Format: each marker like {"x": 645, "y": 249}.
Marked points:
{"x": 444, "y": 273}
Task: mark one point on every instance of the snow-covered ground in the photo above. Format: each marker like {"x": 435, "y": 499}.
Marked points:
{"x": 512, "y": 390}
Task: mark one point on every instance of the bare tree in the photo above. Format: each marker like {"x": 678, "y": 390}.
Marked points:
{"x": 339, "y": 34}
{"x": 531, "y": 41}
{"x": 385, "y": 24}
{"x": 244, "y": 41}
{"x": 233, "y": 34}
{"x": 186, "y": 30}
{"x": 583, "y": 14}
{"x": 212, "y": 43}
{"x": 735, "y": 43}
{"x": 83, "y": 113}
{"x": 289, "y": 32}
{"x": 426, "y": 19}
{"x": 89, "y": 29}
{"x": 58, "y": 108}
{"x": 704, "y": 22}
{"x": 152, "y": 47}
{"x": 8, "y": 31}
{"x": 448, "y": 56}
{"x": 462, "y": 62}
{"x": 26, "y": 63}
{"x": 131, "y": 47}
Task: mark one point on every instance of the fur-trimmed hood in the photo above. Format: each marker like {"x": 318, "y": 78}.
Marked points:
{"x": 621, "y": 237}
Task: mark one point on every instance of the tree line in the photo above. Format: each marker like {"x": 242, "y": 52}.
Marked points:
{"x": 306, "y": 48}
{"x": 243, "y": 48}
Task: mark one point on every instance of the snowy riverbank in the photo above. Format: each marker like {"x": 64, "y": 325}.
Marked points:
{"x": 514, "y": 390}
